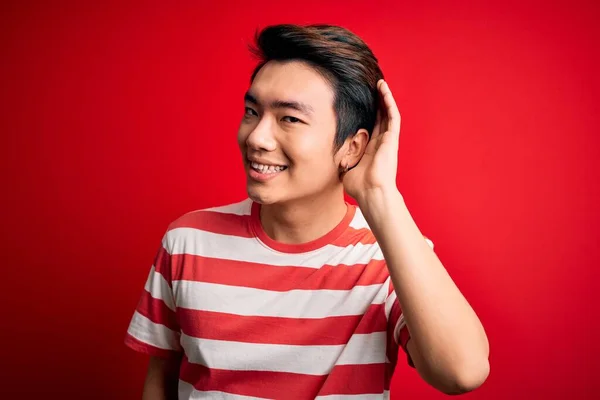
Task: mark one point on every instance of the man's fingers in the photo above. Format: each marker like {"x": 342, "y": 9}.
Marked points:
{"x": 377, "y": 126}
{"x": 393, "y": 115}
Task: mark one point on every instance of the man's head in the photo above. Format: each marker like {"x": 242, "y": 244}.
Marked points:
{"x": 309, "y": 110}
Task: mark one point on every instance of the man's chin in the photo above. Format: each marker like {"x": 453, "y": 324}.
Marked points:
{"x": 262, "y": 196}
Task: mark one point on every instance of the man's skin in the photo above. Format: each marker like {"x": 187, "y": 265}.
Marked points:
{"x": 289, "y": 120}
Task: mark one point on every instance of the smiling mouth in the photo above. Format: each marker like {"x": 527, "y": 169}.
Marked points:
{"x": 267, "y": 169}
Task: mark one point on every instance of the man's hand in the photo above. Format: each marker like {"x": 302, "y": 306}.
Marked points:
{"x": 376, "y": 170}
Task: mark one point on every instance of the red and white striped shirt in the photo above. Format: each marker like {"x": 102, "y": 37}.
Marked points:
{"x": 258, "y": 319}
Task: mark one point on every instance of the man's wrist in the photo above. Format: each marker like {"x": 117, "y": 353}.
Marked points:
{"x": 377, "y": 203}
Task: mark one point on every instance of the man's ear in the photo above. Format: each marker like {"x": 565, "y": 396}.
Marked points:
{"x": 356, "y": 146}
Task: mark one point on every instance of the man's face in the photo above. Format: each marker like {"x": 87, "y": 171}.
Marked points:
{"x": 287, "y": 134}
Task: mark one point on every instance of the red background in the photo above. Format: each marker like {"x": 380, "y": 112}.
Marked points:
{"x": 117, "y": 118}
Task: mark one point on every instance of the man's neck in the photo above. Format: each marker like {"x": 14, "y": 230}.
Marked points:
{"x": 304, "y": 220}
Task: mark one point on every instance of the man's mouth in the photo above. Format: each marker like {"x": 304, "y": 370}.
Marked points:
{"x": 267, "y": 169}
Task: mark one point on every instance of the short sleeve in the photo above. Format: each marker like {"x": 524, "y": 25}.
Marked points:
{"x": 153, "y": 329}
{"x": 398, "y": 333}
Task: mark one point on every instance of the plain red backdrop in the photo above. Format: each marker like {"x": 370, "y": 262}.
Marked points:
{"x": 117, "y": 118}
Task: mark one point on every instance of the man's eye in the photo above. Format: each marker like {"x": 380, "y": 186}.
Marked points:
{"x": 290, "y": 119}
{"x": 250, "y": 112}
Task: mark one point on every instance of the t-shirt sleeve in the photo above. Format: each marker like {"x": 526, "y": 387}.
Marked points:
{"x": 154, "y": 329}
{"x": 398, "y": 333}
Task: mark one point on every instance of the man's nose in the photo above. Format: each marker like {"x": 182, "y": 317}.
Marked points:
{"x": 262, "y": 136}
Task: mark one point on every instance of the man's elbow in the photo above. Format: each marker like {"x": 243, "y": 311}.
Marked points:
{"x": 468, "y": 378}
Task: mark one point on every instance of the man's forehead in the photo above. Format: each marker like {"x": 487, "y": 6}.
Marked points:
{"x": 291, "y": 81}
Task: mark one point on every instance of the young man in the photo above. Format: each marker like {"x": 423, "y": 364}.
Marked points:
{"x": 293, "y": 293}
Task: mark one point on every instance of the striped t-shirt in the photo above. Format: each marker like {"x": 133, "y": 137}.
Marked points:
{"x": 253, "y": 318}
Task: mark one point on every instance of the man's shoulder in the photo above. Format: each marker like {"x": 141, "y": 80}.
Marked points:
{"x": 360, "y": 223}
{"x": 214, "y": 216}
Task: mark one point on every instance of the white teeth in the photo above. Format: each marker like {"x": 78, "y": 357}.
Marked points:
{"x": 267, "y": 169}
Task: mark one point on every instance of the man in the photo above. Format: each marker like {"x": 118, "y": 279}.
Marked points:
{"x": 293, "y": 293}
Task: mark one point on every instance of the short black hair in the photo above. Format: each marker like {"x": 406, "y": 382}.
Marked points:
{"x": 343, "y": 59}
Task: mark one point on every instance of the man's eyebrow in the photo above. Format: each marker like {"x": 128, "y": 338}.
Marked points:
{"x": 294, "y": 105}
{"x": 250, "y": 98}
